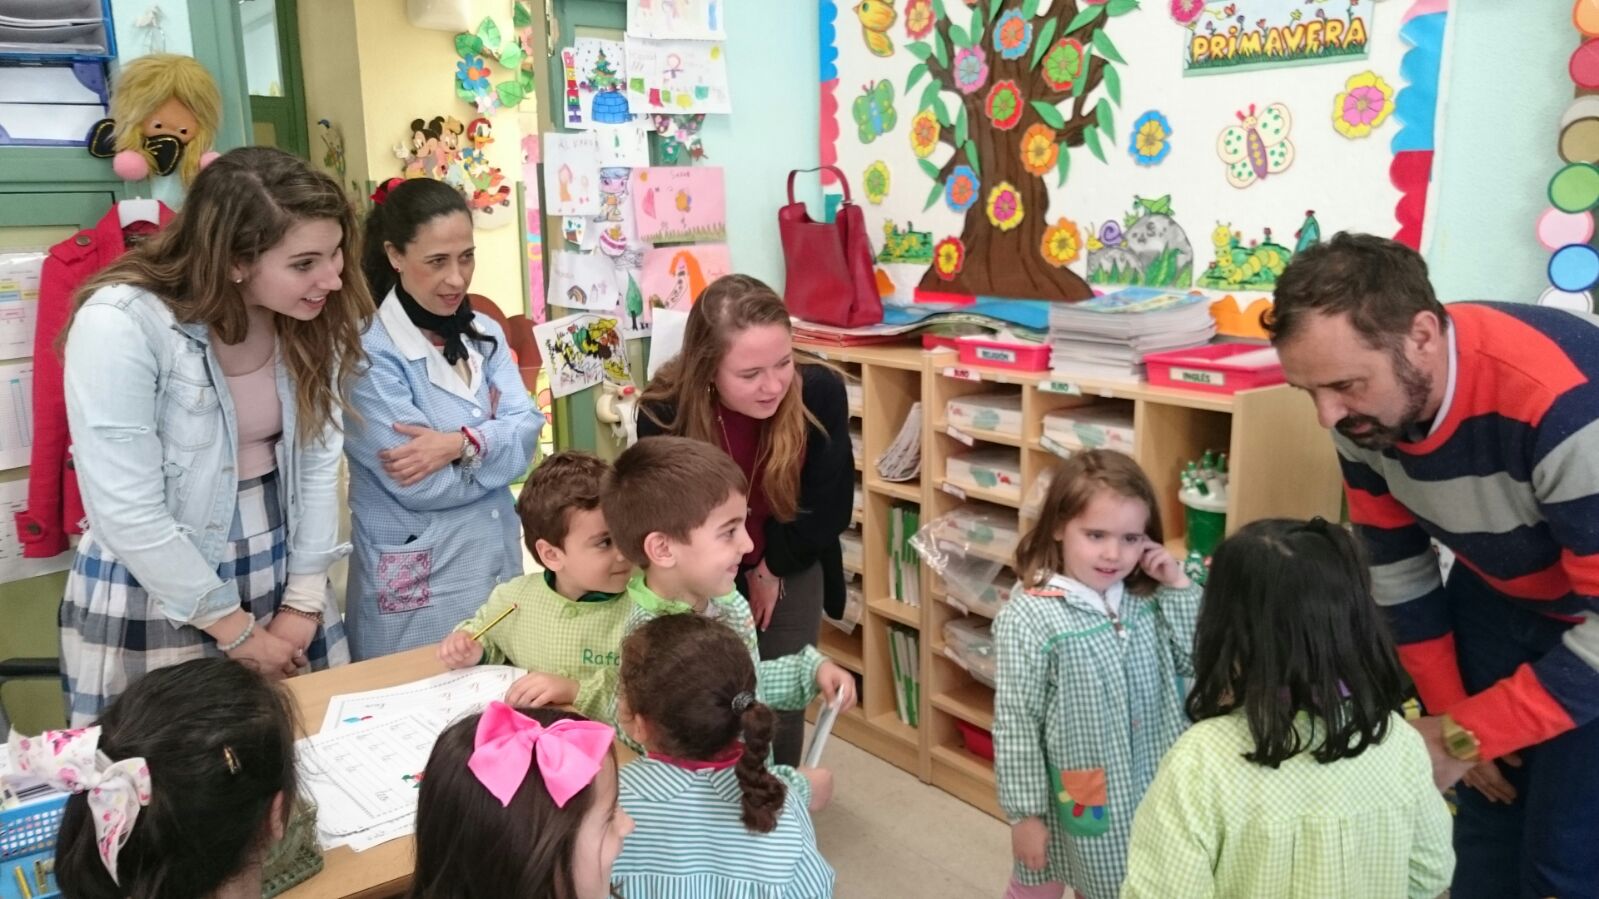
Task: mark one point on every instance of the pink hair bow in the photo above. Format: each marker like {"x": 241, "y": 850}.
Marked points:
{"x": 71, "y": 760}
{"x": 569, "y": 752}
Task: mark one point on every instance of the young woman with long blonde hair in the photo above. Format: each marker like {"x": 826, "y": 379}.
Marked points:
{"x": 739, "y": 385}
{"x": 204, "y": 379}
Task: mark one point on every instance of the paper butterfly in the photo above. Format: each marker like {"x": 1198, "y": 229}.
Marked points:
{"x": 1256, "y": 147}
{"x": 874, "y": 110}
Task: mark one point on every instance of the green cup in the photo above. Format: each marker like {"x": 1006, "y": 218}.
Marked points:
{"x": 1205, "y": 529}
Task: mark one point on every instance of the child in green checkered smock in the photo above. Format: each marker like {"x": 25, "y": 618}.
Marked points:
{"x": 1299, "y": 778}
{"x": 1091, "y": 644}
{"x": 565, "y": 623}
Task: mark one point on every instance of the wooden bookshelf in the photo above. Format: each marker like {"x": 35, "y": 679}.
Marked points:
{"x": 1282, "y": 463}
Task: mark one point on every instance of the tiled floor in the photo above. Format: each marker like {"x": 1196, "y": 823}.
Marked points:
{"x": 888, "y": 834}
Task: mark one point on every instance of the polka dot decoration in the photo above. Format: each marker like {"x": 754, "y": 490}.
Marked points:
{"x": 1556, "y": 298}
{"x": 1574, "y": 268}
{"x": 1566, "y": 228}
{"x": 1557, "y": 229}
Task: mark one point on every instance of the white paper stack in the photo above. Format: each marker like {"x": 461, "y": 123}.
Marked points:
{"x": 903, "y": 460}
{"x": 1109, "y": 336}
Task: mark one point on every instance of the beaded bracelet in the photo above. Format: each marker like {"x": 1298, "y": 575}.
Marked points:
{"x": 239, "y": 640}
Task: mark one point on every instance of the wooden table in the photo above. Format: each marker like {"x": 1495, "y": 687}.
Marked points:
{"x": 383, "y": 870}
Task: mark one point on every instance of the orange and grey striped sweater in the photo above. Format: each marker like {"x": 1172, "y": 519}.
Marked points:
{"x": 1508, "y": 480}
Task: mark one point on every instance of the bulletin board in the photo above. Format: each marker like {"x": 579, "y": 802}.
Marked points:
{"x": 1051, "y": 149}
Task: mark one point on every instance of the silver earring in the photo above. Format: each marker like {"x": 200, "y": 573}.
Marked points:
{"x": 238, "y": 280}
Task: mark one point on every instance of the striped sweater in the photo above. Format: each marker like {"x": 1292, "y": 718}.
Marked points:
{"x": 1508, "y": 480}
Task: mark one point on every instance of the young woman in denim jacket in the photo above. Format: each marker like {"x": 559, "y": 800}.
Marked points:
{"x": 204, "y": 373}
{"x": 443, "y": 426}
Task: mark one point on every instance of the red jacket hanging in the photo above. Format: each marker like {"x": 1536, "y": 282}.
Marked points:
{"x": 54, "y": 507}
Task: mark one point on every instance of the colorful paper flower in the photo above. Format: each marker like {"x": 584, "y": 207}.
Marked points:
{"x": 918, "y": 18}
{"x": 1005, "y": 206}
{"x": 1039, "y": 150}
{"x": 1013, "y": 34}
{"x": 962, "y": 188}
{"x": 924, "y": 133}
{"x": 1364, "y": 105}
{"x": 1151, "y": 140}
{"x": 1187, "y": 12}
{"x": 473, "y": 73}
{"x": 1064, "y": 64}
{"x": 971, "y": 70}
{"x": 1004, "y": 105}
{"x": 877, "y": 181}
{"x": 949, "y": 257}
{"x": 1061, "y": 243}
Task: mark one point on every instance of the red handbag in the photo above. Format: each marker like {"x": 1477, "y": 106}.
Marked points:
{"x": 831, "y": 277}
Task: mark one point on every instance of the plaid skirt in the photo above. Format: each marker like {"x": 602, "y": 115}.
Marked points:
{"x": 112, "y": 633}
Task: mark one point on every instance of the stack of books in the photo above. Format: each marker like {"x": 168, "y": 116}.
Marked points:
{"x": 903, "y": 654}
{"x": 1108, "y": 336}
{"x": 904, "y": 565}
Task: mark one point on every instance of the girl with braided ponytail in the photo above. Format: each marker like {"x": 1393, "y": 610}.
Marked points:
{"x": 687, "y": 695}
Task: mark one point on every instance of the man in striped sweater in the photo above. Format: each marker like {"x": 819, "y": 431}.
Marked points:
{"x": 1477, "y": 427}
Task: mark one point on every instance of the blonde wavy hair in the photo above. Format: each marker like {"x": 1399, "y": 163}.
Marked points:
{"x": 731, "y": 305}
{"x": 240, "y": 207}
{"x": 150, "y": 81}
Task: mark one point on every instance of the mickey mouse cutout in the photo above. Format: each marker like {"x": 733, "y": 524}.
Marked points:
{"x": 164, "y": 115}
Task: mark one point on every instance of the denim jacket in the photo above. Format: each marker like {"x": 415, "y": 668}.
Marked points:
{"x": 155, "y": 438}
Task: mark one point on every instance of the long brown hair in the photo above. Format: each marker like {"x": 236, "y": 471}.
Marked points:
{"x": 240, "y": 207}
{"x": 693, "y": 680}
{"x": 470, "y": 846}
{"x": 1073, "y": 484}
{"x": 729, "y": 307}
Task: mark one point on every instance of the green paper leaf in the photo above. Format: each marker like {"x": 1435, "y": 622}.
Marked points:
{"x": 1102, "y": 116}
{"x": 942, "y": 114}
{"x": 1121, "y": 7}
{"x": 930, "y": 94}
{"x": 1041, "y": 46}
{"x": 1083, "y": 17}
{"x": 1049, "y": 114}
{"x": 938, "y": 9}
{"x": 509, "y": 93}
{"x": 920, "y": 50}
{"x": 971, "y": 158}
{"x": 928, "y": 169}
{"x": 1063, "y": 164}
{"x": 933, "y": 195}
{"x": 917, "y": 71}
{"x": 512, "y": 58}
{"x": 940, "y": 50}
{"x": 521, "y": 15}
{"x": 993, "y": 9}
{"x": 1029, "y": 9}
{"x": 1103, "y": 44}
{"x": 1113, "y": 84}
{"x": 975, "y": 30}
{"x": 525, "y": 79}
{"x": 489, "y": 34}
{"x": 957, "y": 36}
{"x": 1081, "y": 84}
{"x": 960, "y": 127}
{"x": 467, "y": 45}
{"x": 1091, "y": 139}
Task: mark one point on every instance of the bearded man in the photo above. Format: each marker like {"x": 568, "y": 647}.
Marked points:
{"x": 1476, "y": 426}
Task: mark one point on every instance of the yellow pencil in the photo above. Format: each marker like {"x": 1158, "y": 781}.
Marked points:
{"x": 22, "y": 884}
{"x": 503, "y": 615}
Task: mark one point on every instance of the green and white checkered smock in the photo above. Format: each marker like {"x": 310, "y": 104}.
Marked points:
{"x": 1086, "y": 706}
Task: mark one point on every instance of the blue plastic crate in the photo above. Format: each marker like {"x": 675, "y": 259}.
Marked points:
{"x": 28, "y": 848}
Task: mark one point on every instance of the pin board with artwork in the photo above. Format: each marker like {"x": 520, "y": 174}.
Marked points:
{"x": 1049, "y": 149}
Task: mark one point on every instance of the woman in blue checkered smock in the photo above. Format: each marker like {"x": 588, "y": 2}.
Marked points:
{"x": 202, "y": 382}
{"x": 444, "y": 426}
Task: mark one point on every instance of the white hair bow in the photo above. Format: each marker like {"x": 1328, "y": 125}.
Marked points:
{"x": 71, "y": 760}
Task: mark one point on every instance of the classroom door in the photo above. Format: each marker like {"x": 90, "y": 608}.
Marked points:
{"x": 271, "y": 34}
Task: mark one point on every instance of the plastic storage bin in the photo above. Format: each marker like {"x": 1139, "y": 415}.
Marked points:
{"x": 28, "y": 848}
{"x": 1217, "y": 368}
{"x": 970, "y": 644}
{"x": 997, "y": 412}
{"x": 978, "y": 742}
{"x": 995, "y": 469}
{"x": 1003, "y": 354}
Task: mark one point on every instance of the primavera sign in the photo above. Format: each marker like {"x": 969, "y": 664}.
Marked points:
{"x": 1254, "y": 34}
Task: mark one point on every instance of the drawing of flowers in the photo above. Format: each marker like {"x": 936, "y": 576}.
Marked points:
{"x": 1039, "y": 150}
{"x": 971, "y": 70}
{"x": 962, "y": 188}
{"x": 1005, "y": 206}
{"x": 1012, "y": 35}
{"x": 1186, "y": 12}
{"x": 877, "y": 182}
{"x": 1063, "y": 64}
{"x": 1061, "y": 243}
{"x": 1004, "y": 105}
{"x": 1151, "y": 140}
{"x": 949, "y": 257}
{"x": 473, "y": 74}
{"x": 924, "y": 133}
{"x": 918, "y": 18}
{"x": 1365, "y": 104}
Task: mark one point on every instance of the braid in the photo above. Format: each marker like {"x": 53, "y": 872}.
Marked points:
{"x": 763, "y": 792}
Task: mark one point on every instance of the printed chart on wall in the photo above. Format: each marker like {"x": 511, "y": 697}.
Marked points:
{"x": 1051, "y": 149}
